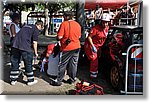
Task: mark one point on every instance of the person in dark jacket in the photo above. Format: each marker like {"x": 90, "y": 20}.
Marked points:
{"x": 24, "y": 41}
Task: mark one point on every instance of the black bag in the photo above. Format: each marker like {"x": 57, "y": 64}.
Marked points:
{"x": 68, "y": 40}
{"x": 56, "y": 49}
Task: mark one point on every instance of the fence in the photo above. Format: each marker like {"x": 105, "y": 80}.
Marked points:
{"x": 134, "y": 70}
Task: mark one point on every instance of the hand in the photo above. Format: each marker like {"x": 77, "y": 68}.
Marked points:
{"x": 94, "y": 49}
{"x": 36, "y": 55}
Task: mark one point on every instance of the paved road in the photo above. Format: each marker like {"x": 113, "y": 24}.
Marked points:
{"x": 43, "y": 86}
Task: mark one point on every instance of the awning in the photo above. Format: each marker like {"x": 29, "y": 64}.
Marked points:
{"x": 112, "y": 4}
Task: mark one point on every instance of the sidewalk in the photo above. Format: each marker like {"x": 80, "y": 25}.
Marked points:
{"x": 42, "y": 87}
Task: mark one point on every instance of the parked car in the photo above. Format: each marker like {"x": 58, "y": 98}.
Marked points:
{"x": 113, "y": 58}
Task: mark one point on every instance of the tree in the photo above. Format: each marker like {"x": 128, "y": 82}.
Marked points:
{"x": 59, "y": 5}
{"x": 46, "y": 19}
{"x": 48, "y": 7}
{"x": 18, "y": 7}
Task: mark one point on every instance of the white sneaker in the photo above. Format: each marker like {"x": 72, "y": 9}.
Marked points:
{"x": 32, "y": 83}
{"x": 13, "y": 82}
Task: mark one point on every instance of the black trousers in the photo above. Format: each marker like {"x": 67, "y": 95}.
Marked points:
{"x": 69, "y": 60}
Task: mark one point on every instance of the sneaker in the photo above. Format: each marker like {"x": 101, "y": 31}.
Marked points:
{"x": 94, "y": 79}
{"x": 32, "y": 83}
{"x": 13, "y": 82}
{"x": 69, "y": 81}
{"x": 56, "y": 83}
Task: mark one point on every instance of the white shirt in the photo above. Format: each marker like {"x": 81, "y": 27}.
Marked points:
{"x": 17, "y": 28}
{"x": 98, "y": 13}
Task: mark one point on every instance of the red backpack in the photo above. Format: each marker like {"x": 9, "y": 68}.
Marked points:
{"x": 84, "y": 88}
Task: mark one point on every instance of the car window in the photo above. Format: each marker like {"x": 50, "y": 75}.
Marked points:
{"x": 138, "y": 38}
{"x": 118, "y": 31}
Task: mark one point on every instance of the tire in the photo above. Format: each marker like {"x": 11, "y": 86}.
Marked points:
{"x": 115, "y": 77}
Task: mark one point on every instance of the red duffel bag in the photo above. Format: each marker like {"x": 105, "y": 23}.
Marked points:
{"x": 85, "y": 88}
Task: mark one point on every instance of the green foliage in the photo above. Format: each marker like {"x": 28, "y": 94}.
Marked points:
{"x": 40, "y": 6}
{"x": 19, "y": 7}
{"x": 54, "y": 6}
{"x": 61, "y": 5}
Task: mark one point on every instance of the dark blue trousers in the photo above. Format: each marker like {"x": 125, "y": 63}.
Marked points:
{"x": 27, "y": 57}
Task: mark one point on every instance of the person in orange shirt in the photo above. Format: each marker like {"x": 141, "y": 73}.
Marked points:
{"x": 68, "y": 35}
{"x": 94, "y": 43}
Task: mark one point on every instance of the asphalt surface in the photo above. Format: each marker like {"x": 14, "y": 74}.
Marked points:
{"x": 43, "y": 86}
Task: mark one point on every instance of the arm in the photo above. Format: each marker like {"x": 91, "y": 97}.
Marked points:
{"x": 59, "y": 37}
{"x": 91, "y": 34}
{"x": 12, "y": 30}
{"x": 90, "y": 40}
{"x": 35, "y": 40}
{"x": 60, "y": 32}
{"x": 35, "y": 48}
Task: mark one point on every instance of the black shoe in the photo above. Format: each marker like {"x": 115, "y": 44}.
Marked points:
{"x": 54, "y": 83}
{"x": 69, "y": 81}
{"x": 94, "y": 79}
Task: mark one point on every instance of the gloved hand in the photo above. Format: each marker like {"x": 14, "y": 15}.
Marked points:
{"x": 94, "y": 49}
{"x": 36, "y": 55}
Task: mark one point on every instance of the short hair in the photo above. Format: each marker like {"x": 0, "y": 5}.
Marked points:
{"x": 68, "y": 14}
{"x": 15, "y": 16}
{"x": 97, "y": 6}
{"x": 39, "y": 22}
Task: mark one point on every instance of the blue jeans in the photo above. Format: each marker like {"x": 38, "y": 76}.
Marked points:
{"x": 15, "y": 60}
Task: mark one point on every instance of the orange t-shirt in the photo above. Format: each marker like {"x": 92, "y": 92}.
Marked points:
{"x": 75, "y": 34}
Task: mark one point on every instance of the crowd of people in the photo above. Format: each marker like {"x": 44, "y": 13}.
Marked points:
{"x": 24, "y": 44}
{"x": 124, "y": 16}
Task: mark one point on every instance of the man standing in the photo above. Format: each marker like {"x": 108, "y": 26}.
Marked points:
{"x": 24, "y": 40}
{"x": 68, "y": 34}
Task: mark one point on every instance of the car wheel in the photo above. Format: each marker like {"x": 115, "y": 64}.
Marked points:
{"x": 115, "y": 77}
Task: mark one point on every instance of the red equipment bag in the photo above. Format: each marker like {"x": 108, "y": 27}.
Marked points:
{"x": 88, "y": 89}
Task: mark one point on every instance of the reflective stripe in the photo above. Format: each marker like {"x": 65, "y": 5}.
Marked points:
{"x": 31, "y": 73}
{"x": 14, "y": 76}
{"x": 14, "y": 72}
{"x": 60, "y": 58}
{"x": 93, "y": 72}
{"x": 136, "y": 52}
{"x": 93, "y": 75}
{"x": 30, "y": 77}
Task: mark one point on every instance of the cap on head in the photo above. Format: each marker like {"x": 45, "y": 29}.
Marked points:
{"x": 106, "y": 17}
